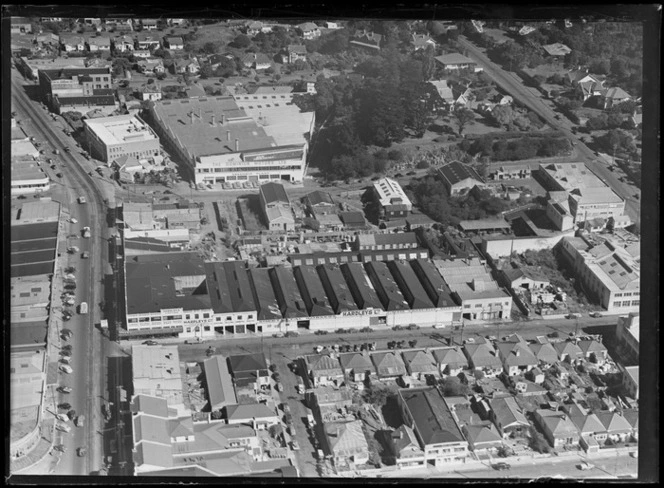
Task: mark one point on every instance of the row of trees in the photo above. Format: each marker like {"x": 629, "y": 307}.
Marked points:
{"x": 526, "y": 147}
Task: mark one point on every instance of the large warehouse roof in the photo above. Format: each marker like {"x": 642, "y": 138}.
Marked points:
{"x": 336, "y": 288}
{"x": 312, "y": 291}
{"x": 120, "y": 129}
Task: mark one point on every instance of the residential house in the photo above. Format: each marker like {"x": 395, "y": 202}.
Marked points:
{"x": 590, "y": 87}
{"x": 463, "y": 96}
{"x": 483, "y": 357}
{"x": 517, "y": 357}
{"x": 508, "y": 417}
{"x": 556, "y": 50}
{"x": 331, "y": 25}
{"x": 627, "y": 334}
{"x": 356, "y": 366}
{"x": 616, "y": 426}
{"x": 123, "y": 44}
{"x": 406, "y": 448}
{"x": 329, "y": 397}
{"x": 594, "y": 351}
{"x": 151, "y": 65}
{"x": 176, "y": 22}
{"x": 346, "y": 443}
{"x": 257, "y": 61}
{"x": 319, "y": 203}
{"x": 368, "y": 40}
{"x": 630, "y": 380}
{"x": 249, "y": 369}
{"x": 253, "y": 28}
{"x": 610, "y": 97}
{"x": 142, "y": 53}
{"x": 444, "y": 91}
{"x": 459, "y": 178}
{"x": 426, "y": 412}
{"x": 48, "y": 39}
{"x": 308, "y": 30}
{"x": 512, "y": 172}
{"x": 456, "y": 62}
{"x": 545, "y": 353}
{"x": 591, "y": 430}
{"x": 568, "y": 351}
{"x": 72, "y": 43}
{"x": 187, "y": 66}
{"x": 149, "y": 24}
{"x": 421, "y": 41}
{"x": 417, "y": 220}
{"x": 323, "y": 223}
{"x": 483, "y": 437}
{"x": 150, "y": 92}
{"x": 276, "y": 207}
{"x": 419, "y": 363}
{"x": 147, "y": 42}
{"x": 451, "y": 360}
{"x": 174, "y": 43}
{"x": 295, "y": 52}
{"x": 257, "y": 415}
{"x": 525, "y": 277}
{"x": 388, "y": 364}
{"x": 100, "y": 43}
{"x": 632, "y": 416}
{"x": 557, "y": 428}
{"x": 324, "y": 370}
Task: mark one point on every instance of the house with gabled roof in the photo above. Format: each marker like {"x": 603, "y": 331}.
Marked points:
{"x": 319, "y": 203}
{"x": 457, "y": 61}
{"x": 346, "y": 443}
{"x": 508, "y": 417}
{"x": 308, "y": 30}
{"x": 324, "y": 370}
{"x": 419, "y": 363}
{"x": 99, "y": 43}
{"x": 568, "y": 351}
{"x": 459, "y": 178}
{"x": 445, "y": 92}
{"x": 248, "y": 369}
{"x": 257, "y": 415}
{"x": 293, "y": 52}
{"x": 557, "y": 427}
{"x": 421, "y": 41}
{"x": 72, "y": 43}
{"x": 219, "y": 383}
{"x": 594, "y": 350}
{"x": 388, "y": 364}
{"x": 356, "y": 366}
{"x": 589, "y": 425}
{"x": 517, "y": 357}
{"x": 610, "y": 97}
{"x": 257, "y": 61}
{"x": 365, "y": 39}
{"x": 617, "y": 427}
{"x": 406, "y": 449}
{"x": 483, "y": 357}
{"x": 450, "y": 360}
{"x": 482, "y": 437}
{"x": 632, "y": 416}
{"x": 174, "y": 43}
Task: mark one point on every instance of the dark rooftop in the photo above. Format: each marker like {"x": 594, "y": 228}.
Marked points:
{"x": 436, "y": 288}
{"x": 264, "y": 297}
{"x": 352, "y": 218}
{"x": 274, "y": 192}
{"x": 336, "y": 288}
{"x": 151, "y": 285}
{"x": 317, "y": 197}
{"x": 229, "y": 287}
{"x": 312, "y": 291}
{"x": 455, "y": 172}
{"x": 431, "y": 415}
{"x": 361, "y": 286}
{"x": 287, "y": 293}
{"x": 68, "y": 73}
{"x": 410, "y": 285}
{"x": 385, "y": 286}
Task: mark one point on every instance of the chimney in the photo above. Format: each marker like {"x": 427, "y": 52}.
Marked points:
{"x": 223, "y": 119}
{"x": 228, "y": 133}
{"x": 237, "y": 145}
{"x": 214, "y": 122}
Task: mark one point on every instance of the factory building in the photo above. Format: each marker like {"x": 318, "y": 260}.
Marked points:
{"x": 177, "y": 294}
{"x": 220, "y": 141}
{"x": 110, "y": 138}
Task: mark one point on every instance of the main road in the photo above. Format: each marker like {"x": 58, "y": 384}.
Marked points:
{"x": 88, "y": 375}
{"x": 533, "y": 100}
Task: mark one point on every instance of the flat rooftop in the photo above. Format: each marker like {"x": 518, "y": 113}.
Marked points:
{"x": 156, "y": 372}
{"x": 121, "y": 129}
{"x": 572, "y": 175}
{"x": 190, "y": 121}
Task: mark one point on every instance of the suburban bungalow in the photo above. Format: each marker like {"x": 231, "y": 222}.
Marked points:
{"x": 406, "y": 448}
{"x": 450, "y": 360}
{"x": 346, "y": 443}
{"x": 568, "y": 351}
{"x": 610, "y": 97}
{"x": 422, "y": 41}
{"x": 308, "y": 30}
{"x": 356, "y": 366}
{"x": 419, "y": 363}
{"x": 388, "y": 364}
{"x": 324, "y": 370}
{"x": 482, "y": 437}
{"x": 174, "y": 43}
{"x": 483, "y": 357}
{"x": 508, "y": 417}
{"x": 517, "y": 357}
{"x": 616, "y": 426}
{"x": 457, "y": 61}
{"x": 557, "y": 427}
{"x": 101, "y": 43}
{"x": 369, "y": 40}
{"x": 295, "y": 52}
{"x": 257, "y": 61}
{"x": 594, "y": 351}
{"x": 257, "y": 415}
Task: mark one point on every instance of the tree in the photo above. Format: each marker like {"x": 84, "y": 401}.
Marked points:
{"x": 206, "y": 71}
{"x": 453, "y": 387}
{"x": 378, "y": 394}
{"x": 537, "y": 441}
{"x": 463, "y": 117}
{"x": 210, "y": 47}
{"x": 241, "y": 41}
{"x": 216, "y": 414}
{"x": 503, "y": 115}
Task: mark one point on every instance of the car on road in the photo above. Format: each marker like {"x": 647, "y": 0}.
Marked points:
{"x": 86, "y": 232}
{"x": 85, "y": 255}
{"x": 72, "y": 236}
{"x": 413, "y": 327}
{"x": 62, "y": 417}
{"x": 81, "y": 199}
{"x": 150, "y": 343}
{"x": 56, "y": 151}
{"x": 73, "y": 220}
{"x": 65, "y": 368}
{"x": 585, "y": 465}
{"x": 83, "y": 308}
{"x": 71, "y": 414}
{"x": 65, "y": 359}
{"x": 67, "y": 334}
{"x": 64, "y": 406}
{"x": 64, "y": 389}
{"x": 63, "y": 427}
{"x": 279, "y": 387}
{"x": 501, "y": 466}
{"x": 438, "y": 326}
{"x": 286, "y": 407}
{"x": 72, "y": 249}
{"x": 81, "y": 451}
{"x": 573, "y": 315}
{"x": 295, "y": 446}
{"x": 80, "y": 421}
{"x": 67, "y": 149}
{"x": 595, "y": 315}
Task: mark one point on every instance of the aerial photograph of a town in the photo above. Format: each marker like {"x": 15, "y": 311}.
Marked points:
{"x": 341, "y": 248}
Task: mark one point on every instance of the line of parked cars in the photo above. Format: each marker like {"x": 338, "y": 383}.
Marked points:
{"x": 366, "y": 346}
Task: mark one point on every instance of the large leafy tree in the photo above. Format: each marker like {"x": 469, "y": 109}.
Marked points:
{"x": 463, "y": 117}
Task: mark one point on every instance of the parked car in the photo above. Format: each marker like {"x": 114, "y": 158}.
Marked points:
{"x": 595, "y": 315}
{"x": 150, "y": 343}
{"x": 64, "y": 389}
{"x": 64, "y": 406}
{"x": 81, "y": 451}
{"x": 73, "y": 220}
{"x": 71, "y": 414}
{"x": 65, "y": 368}
{"x": 501, "y": 466}
{"x": 72, "y": 236}
{"x": 85, "y": 255}
{"x": 82, "y": 199}
{"x": 279, "y": 387}
{"x": 295, "y": 446}
{"x": 585, "y": 465}
{"x": 63, "y": 427}
{"x": 80, "y": 421}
